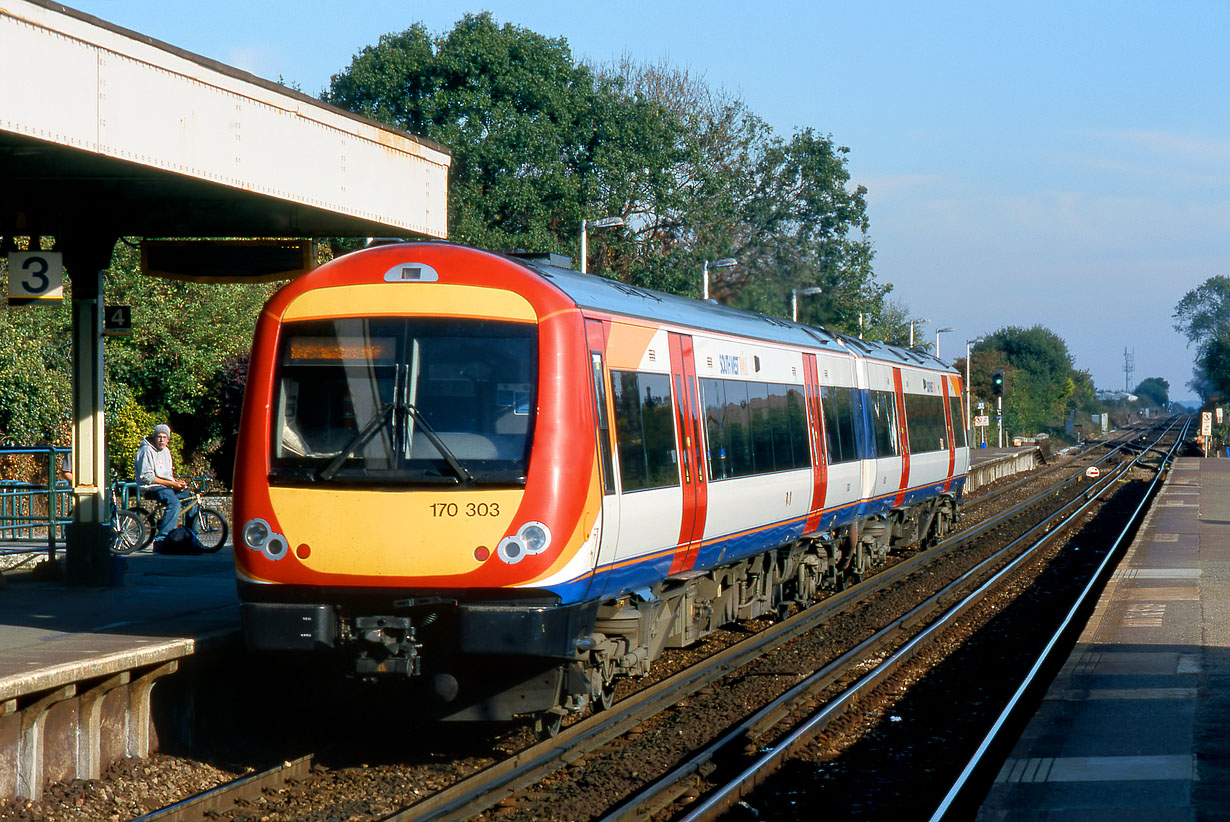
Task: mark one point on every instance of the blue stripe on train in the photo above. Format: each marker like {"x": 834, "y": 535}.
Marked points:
{"x": 615, "y": 580}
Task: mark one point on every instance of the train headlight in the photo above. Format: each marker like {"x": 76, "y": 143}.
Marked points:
{"x": 277, "y": 547}
{"x": 256, "y": 532}
{"x": 531, "y": 538}
{"x": 511, "y": 550}
{"x": 535, "y": 537}
{"x": 258, "y": 535}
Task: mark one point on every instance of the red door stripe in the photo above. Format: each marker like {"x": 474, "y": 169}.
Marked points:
{"x": 815, "y": 427}
{"x": 688, "y": 442}
{"x": 903, "y": 436}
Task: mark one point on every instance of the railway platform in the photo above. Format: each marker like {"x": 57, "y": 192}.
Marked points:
{"x": 78, "y": 665}
{"x": 1135, "y": 725}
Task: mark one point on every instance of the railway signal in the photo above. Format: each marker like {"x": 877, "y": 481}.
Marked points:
{"x": 997, "y": 382}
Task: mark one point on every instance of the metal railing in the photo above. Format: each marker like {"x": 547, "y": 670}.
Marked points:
{"x": 31, "y": 513}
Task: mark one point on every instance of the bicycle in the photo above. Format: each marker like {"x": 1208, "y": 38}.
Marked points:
{"x": 211, "y": 527}
{"x": 130, "y": 529}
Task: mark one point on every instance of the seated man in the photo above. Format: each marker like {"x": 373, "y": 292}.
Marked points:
{"x": 156, "y": 477}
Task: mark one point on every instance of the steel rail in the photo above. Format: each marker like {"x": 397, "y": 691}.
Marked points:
{"x": 203, "y": 805}
{"x": 879, "y": 643}
{"x": 1119, "y": 445}
{"x": 722, "y": 798}
{"x": 504, "y": 779}
{"x": 956, "y": 793}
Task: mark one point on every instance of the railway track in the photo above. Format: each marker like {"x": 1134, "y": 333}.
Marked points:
{"x": 514, "y": 785}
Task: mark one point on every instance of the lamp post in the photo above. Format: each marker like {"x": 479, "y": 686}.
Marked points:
{"x": 969, "y": 397}
{"x": 938, "y": 332}
{"x": 912, "y": 324}
{"x": 794, "y": 299}
{"x": 725, "y": 262}
{"x": 603, "y": 222}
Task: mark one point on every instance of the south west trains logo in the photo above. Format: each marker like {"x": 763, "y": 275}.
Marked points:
{"x": 731, "y": 365}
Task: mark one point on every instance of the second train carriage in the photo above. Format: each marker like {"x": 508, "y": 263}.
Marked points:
{"x": 513, "y": 482}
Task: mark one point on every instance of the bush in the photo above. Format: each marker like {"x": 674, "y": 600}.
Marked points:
{"x": 126, "y": 428}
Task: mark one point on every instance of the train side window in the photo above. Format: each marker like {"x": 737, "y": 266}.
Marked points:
{"x": 780, "y": 423}
{"x": 738, "y": 429}
{"x": 924, "y": 417}
{"x": 762, "y": 429}
{"x": 837, "y": 405}
{"x": 604, "y": 425}
{"x": 884, "y": 423}
{"x": 645, "y": 429}
{"x": 958, "y": 421}
{"x": 796, "y": 414}
{"x": 714, "y": 397}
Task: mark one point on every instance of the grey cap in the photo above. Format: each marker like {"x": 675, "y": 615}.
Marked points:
{"x": 162, "y": 428}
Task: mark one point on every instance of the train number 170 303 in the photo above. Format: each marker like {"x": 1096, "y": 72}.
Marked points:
{"x": 469, "y": 509}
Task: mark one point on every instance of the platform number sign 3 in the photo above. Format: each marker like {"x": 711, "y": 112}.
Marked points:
{"x": 35, "y": 277}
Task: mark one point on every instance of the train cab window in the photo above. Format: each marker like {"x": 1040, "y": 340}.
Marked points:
{"x": 396, "y": 400}
{"x": 958, "y": 421}
{"x": 837, "y": 405}
{"x": 644, "y": 430}
{"x": 883, "y": 410}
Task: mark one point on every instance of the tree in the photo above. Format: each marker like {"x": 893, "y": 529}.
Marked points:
{"x": 1041, "y": 384}
{"x": 540, "y": 142}
{"x": 1204, "y": 312}
{"x": 1154, "y": 391}
{"x": 1203, "y": 316}
{"x": 536, "y": 139}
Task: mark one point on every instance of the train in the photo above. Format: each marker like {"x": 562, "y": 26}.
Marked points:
{"x": 503, "y": 484}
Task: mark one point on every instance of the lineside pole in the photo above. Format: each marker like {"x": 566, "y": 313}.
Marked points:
{"x": 88, "y": 538}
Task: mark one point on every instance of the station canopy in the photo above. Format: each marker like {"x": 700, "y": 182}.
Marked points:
{"x": 106, "y": 132}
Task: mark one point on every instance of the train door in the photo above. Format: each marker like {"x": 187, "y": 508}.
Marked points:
{"x": 815, "y": 427}
{"x": 690, "y": 444}
{"x": 903, "y": 437}
{"x": 867, "y": 440}
{"x": 608, "y": 520}
{"x": 951, "y": 422}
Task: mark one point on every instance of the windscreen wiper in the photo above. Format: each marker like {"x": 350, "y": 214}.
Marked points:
{"x": 357, "y": 441}
{"x": 373, "y": 425}
{"x": 462, "y": 474}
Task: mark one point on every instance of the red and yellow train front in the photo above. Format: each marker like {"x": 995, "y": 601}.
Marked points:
{"x": 414, "y": 465}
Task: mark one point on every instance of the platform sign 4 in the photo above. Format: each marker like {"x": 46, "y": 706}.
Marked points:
{"x": 35, "y": 277}
{"x": 117, "y": 320}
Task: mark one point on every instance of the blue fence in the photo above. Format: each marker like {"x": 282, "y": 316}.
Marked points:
{"x": 34, "y": 515}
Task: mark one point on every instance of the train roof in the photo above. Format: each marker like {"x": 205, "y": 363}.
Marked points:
{"x": 596, "y": 292}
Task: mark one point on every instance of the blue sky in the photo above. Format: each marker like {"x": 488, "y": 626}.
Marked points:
{"x": 1061, "y": 163}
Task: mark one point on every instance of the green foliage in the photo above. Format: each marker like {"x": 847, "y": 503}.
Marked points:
{"x": 1203, "y": 316}
{"x": 519, "y": 115}
{"x": 1041, "y": 386}
{"x": 224, "y": 402}
{"x": 127, "y": 427}
{"x": 1154, "y": 391}
{"x": 540, "y": 142}
{"x": 182, "y": 334}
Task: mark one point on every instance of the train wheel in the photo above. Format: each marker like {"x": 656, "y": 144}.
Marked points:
{"x": 604, "y": 698}
{"x": 548, "y": 724}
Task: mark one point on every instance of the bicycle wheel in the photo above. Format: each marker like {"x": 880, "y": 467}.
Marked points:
{"x": 151, "y": 525}
{"x": 130, "y": 532}
{"x": 211, "y": 530}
